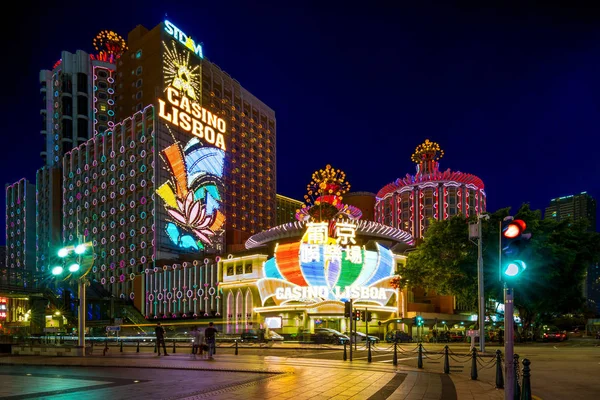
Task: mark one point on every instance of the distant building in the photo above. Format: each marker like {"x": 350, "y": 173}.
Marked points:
{"x": 364, "y": 201}
{"x": 286, "y": 209}
{"x": 411, "y": 202}
{"x": 575, "y": 207}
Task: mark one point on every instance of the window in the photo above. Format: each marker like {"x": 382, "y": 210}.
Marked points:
{"x": 138, "y": 95}
{"x": 102, "y": 96}
{"x": 102, "y": 85}
{"x": 102, "y": 117}
{"x": 82, "y": 81}
{"x": 82, "y": 128}
{"x": 138, "y": 107}
{"x": 102, "y": 74}
{"x": 138, "y": 71}
{"x": 138, "y": 54}
{"x": 138, "y": 83}
{"x": 103, "y": 107}
{"x": 248, "y": 268}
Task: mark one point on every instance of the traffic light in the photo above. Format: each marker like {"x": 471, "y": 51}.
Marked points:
{"x": 347, "y": 309}
{"x": 414, "y": 320}
{"x": 357, "y": 315}
{"x": 514, "y": 240}
{"x": 419, "y": 321}
{"x": 363, "y": 316}
{"x": 369, "y": 317}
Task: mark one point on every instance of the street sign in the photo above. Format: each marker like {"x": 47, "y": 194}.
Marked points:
{"x": 113, "y": 328}
{"x": 473, "y": 333}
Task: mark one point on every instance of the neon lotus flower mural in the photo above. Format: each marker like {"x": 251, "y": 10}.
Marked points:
{"x": 192, "y": 196}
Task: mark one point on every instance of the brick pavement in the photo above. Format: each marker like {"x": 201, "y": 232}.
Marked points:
{"x": 300, "y": 378}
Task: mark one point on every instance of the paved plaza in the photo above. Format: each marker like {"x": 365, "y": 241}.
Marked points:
{"x": 145, "y": 375}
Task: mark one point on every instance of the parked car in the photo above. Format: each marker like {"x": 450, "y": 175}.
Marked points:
{"x": 398, "y": 335}
{"x": 552, "y": 334}
{"x": 330, "y": 336}
{"x": 361, "y": 337}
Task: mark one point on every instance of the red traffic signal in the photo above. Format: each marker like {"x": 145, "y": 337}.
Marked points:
{"x": 514, "y": 229}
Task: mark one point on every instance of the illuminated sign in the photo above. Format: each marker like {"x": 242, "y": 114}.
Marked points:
{"x": 3, "y": 308}
{"x": 184, "y": 39}
{"x": 316, "y": 292}
{"x": 187, "y": 114}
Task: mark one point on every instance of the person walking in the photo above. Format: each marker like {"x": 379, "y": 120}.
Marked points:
{"x": 160, "y": 338}
{"x": 210, "y": 334}
{"x": 201, "y": 344}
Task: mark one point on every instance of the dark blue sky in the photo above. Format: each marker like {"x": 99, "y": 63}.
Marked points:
{"x": 512, "y": 94}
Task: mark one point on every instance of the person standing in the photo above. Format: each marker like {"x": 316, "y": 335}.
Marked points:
{"x": 195, "y": 344}
{"x": 210, "y": 334}
{"x": 201, "y": 343}
{"x": 160, "y": 338}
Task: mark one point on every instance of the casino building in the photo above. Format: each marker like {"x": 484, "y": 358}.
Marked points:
{"x": 410, "y": 203}
{"x": 160, "y": 159}
{"x": 167, "y": 189}
{"x": 298, "y": 274}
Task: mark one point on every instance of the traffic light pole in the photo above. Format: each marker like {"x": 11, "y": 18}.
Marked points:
{"x": 509, "y": 373}
{"x": 480, "y": 287}
{"x": 351, "y": 334}
{"x": 81, "y": 315}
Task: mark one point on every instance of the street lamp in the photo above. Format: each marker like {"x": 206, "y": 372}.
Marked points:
{"x": 79, "y": 260}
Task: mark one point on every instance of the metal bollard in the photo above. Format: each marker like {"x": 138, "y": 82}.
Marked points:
{"x": 420, "y": 358}
{"x": 499, "y": 376}
{"x": 173, "y": 346}
{"x": 137, "y": 350}
{"x": 369, "y": 357}
{"x": 395, "y": 361}
{"x": 446, "y": 360}
{"x": 121, "y": 350}
{"x": 526, "y": 384}
{"x": 517, "y": 390}
{"x": 236, "y": 347}
{"x": 345, "y": 353}
{"x": 474, "y": 365}
{"x": 105, "y": 347}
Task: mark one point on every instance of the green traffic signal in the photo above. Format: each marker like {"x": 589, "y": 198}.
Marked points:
{"x": 514, "y": 268}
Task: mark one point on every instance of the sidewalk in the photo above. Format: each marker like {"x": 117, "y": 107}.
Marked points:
{"x": 299, "y": 378}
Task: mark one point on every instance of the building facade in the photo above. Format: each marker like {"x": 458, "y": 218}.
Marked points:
{"x": 577, "y": 207}
{"x": 410, "y": 203}
{"x": 287, "y": 209}
{"x": 20, "y": 260}
{"x": 166, "y": 57}
{"x": 365, "y": 201}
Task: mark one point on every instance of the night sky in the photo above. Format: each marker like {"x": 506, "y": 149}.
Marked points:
{"x": 511, "y": 94}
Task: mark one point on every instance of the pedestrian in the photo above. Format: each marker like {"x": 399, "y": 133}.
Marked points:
{"x": 195, "y": 344}
{"x": 160, "y": 338}
{"x": 201, "y": 345}
{"x": 210, "y": 334}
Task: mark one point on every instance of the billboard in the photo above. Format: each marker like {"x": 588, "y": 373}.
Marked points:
{"x": 190, "y": 142}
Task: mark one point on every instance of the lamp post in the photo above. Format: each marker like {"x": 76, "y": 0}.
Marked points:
{"x": 78, "y": 260}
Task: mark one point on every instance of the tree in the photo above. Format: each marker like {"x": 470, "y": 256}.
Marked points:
{"x": 557, "y": 258}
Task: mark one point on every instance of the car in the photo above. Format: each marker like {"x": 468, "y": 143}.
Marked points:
{"x": 397, "y": 335}
{"x": 361, "y": 337}
{"x": 553, "y": 335}
{"x": 457, "y": 336}
{"x": 329, "y": 336}
{"x": 274, "y": 336}
{"x": 250, "y": 335}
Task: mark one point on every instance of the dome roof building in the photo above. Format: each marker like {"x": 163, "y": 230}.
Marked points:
{"x": 412, "y": 202}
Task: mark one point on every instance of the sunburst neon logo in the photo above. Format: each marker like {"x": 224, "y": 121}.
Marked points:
{"x": 184, "y": 39}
